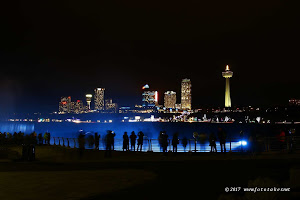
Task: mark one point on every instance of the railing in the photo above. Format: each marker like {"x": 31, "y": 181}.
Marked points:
{"x": 260, "y": 144}
{"x": 264, "y": 144}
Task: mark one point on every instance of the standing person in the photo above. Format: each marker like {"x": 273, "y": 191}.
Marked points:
{"x": 125, "y": 142}
{"x": 113, "y": 140}
{"x": 140, "y": 140}
{"x": 97, "y": 139}
{"x": 165, "y": 142}
{"x": 81, "y": 142}
{"x": 160, "y": 138}
{"x": 184, "y": 143}
{"x": 292, "y": 132}
{"x": 40, "y": 139}
{"x": 222, "y": 138}
{"x": 212, "y": 142}
{"x": 132, "y": 140}
{"x": 175, "y": 142}
{"x": 45, "y": 137}
{"x": 48, "y": 138}
{"x": 109, "y": 141}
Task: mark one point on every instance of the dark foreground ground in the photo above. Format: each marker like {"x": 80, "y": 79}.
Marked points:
{"x": 60, "y": 173}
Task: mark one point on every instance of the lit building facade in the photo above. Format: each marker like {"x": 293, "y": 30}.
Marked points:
{"x": 110, "y": 106}
{"x": 150, "y": 98}
{"x": 65, "y": 105}
{"x": 170, "y": 99}
{"x": 227, "y": 75}
{"x": 186, "y": 94}
{"x": 99, "y": 98}
{"x": 78, "y": 107}
{"x": 294, "y": 102}
{"x": 88, "y": 101}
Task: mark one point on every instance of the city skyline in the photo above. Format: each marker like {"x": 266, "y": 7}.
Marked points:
{"x": 45, "y": 56}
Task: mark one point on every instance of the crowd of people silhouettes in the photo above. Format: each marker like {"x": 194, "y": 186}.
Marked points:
{"x": 163, "y": 139}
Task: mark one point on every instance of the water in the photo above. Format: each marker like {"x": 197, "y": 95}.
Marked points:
{"x": 150, "y": 129}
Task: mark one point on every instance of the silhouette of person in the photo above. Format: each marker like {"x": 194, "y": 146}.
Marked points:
{"x": 15, "y": 137}
{"x": 97, "y": 139}
{"x": 40, "y": 139}
{"x": 132, "y": 140}
{"x": 184, "y": 143}
{"x": 109, "y": 141}
{"x": 125, "y": 142}
{"x": 113, "y": 140}
{"x": 212, "y": 142}
{"x": 175, "y": 142}
{"x": 165, "y": 142}
{"x": 45, "y": 137}
{"x": 222, "y": 138}
{"x": 160, "y": 139}
{"x": 292, "y": 132}
{"x": 48, "y": 138}
{"x": 140, "y": 140}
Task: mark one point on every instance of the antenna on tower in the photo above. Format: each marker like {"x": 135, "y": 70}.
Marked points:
{"x": 227, "y": 67}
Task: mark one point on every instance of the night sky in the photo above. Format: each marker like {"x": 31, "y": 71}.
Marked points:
{"x": 59, "y": 48}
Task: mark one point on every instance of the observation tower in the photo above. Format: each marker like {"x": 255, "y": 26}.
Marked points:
{"x": 227, "y": 75}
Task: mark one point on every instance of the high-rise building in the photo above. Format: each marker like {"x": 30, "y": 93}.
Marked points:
{"x": 170, "y": 99}
{"x": 227, "y": 75}
{"x": 186, "y": 94}
{"x": 65, "y": 105}
{"x": 88, "y": 100}
{"x": 110, "y": 106}
{"x": 99, "y": 98}
{"x": 150, "y": 98}
{"x": 78, "y": 107}
{"x": 294, "y": 102}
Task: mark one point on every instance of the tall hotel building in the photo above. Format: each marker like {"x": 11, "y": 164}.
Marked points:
{"x": 150, "y": 98}
{"x": 170, "y": 99}
{"x": 99, "y": 99}
{"x": 186, "y": 94}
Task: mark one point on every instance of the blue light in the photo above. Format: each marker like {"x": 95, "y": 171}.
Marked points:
{"x": 243, "y": 143}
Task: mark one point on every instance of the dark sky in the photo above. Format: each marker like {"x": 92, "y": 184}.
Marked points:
{"x": 59, "y": 48}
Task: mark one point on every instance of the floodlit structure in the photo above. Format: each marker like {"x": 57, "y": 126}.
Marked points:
{"x": 227, "y": 75}
{"x": 99, "y": 98}
{"x": 186, "y": 94}
{"x": 89, "y": 100}
{"x": 150, "y": 98}
{"x": 170, "y": 99}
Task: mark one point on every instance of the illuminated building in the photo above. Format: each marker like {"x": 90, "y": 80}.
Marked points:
{"x": 227, "y": 75}
{"x": 186, "y": 94}
{"x": 294, "y": 102}
{"x": 110, "y": 106}
{"x": 99, "y": 98}
{"x": 65, "y": 105}
{"x": 150, "y": 98}
{"x": 178, "y": 106}
{"x": 88, "y": 100}
{"x": 78, "y": 107}
{"x": 170, "y": 99}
